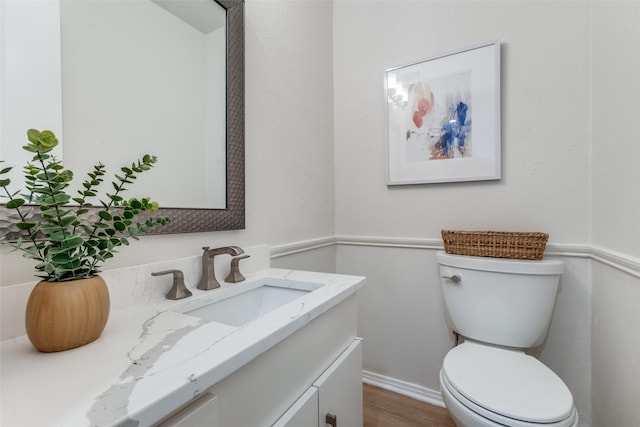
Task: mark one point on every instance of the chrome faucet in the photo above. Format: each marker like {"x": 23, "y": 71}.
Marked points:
{"x": 208, "y": 280}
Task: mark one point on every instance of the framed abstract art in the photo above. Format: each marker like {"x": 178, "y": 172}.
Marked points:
{"x": 443, "y": 118}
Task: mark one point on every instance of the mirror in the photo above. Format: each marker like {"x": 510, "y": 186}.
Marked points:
{"x": 142, "y": 77}
{"x": 80, "y": 127}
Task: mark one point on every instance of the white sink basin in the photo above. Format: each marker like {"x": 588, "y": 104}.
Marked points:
{"x": 252, "y": 303}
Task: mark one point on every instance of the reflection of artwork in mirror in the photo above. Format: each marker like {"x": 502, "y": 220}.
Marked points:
{"x": 137, "y": 77}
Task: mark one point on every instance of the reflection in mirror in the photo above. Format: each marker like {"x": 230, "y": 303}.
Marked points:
{"x": 147, "y": 77}
{"x": 36, "y": 104}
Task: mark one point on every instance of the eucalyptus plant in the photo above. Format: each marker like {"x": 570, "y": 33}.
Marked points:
{"x": 69, "y": 240}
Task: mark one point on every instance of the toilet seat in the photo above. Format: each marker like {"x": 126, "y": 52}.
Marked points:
{"x": 507, "y": 386}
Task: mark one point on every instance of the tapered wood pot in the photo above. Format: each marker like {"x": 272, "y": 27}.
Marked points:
{"x": 65, "y": 315}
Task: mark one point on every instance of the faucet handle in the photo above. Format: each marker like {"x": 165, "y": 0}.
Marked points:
{"x": 178, "y": 290}
{"x": 234, "y": 275}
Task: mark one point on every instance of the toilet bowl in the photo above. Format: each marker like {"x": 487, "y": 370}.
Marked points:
{"x": 488, "y": 386}
{"x": 501, "y": 307}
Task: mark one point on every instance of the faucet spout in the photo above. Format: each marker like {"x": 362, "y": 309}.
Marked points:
{"x": 208, "y": 280}
{"x": 226, "y": 250}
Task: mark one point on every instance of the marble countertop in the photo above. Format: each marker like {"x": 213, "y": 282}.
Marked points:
{"x": 151, "y": 358}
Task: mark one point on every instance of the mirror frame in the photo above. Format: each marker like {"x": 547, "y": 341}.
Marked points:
{"x": 186, "y": 220}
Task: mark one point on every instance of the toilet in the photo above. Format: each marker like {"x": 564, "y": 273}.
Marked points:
{"x": 501, "y": 307}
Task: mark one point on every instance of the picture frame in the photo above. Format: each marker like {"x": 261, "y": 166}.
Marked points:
{"x": 443, "y": 118}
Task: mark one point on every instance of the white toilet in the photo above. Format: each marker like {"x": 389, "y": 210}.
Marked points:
{"x": 501, "y": 307}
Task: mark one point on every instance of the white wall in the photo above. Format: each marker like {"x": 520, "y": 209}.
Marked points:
{"x": 616, "y": 214}
{"x": 616, "y": 144}
{"x": 616, "y": 347}
{"x": 545, "y": 117}
{"x": 545, "y": 184}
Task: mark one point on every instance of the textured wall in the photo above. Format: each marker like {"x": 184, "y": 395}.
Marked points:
{"x": 616, "y": 142}
{"x": 616, "y": 213}
{"x": 545, "y": 117}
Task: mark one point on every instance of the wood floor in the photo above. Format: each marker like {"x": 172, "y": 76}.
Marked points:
{"x": 383, "y": 408}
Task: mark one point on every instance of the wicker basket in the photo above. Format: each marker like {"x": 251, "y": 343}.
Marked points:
{"x": 498, "y": 244}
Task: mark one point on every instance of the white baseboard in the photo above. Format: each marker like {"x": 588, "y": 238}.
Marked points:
{"x": 404, "y": 388}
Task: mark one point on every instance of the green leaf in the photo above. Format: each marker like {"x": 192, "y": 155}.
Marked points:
{"x": 66, "y": 221}
{"x": 32, "y": 135}
{"x": 105, "y": 215}
{"x": 5, "y": 182}
{"x": 58, "y": 236}
{"x": 61, "y": 198}
{"x": 15, "y": 203}
{"x": 73, "y": 242}
{"x": 61, "y": 258}
{"x": 53, "y": 250}
{"x": 25, "y": 225}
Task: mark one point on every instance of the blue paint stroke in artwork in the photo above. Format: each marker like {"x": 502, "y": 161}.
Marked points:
{"x": 455, "y": 131}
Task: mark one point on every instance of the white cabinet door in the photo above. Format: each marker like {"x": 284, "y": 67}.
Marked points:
{"x": 202, "y": 412}
{"x": 340, "y": 390}
{"x": 303, "y": 413}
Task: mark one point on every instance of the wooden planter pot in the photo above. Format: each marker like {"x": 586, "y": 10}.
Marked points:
{"x": 65, "y": 315}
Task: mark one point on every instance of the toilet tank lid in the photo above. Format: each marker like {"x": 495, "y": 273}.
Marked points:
{"x": 501, "y": 265}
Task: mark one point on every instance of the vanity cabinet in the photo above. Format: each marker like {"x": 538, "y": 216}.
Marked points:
{"x": 334, "y": 398}
{"x": 303, "y": 413}
{"x": 340, "y": 389}
{"x": 315, "y": 371}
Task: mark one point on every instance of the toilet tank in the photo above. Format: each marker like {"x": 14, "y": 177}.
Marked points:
{"x": 499, "y": 301}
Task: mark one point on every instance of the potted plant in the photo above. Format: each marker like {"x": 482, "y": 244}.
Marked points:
{"x": 70, "y": 241}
